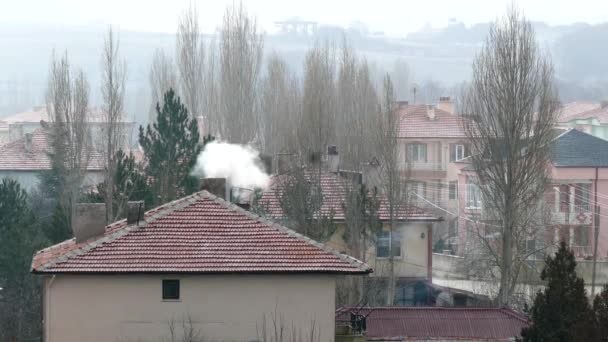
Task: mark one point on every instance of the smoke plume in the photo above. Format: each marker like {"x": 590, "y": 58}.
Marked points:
{"x": 239, "y": 164}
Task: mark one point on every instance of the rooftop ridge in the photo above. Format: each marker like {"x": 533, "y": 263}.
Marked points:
{"x": 93, "y": 243}
{"x": 352, "y": 261}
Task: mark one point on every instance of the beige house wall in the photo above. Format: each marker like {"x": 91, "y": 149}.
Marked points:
{"x": 109, "y": 308}
{"x": 413, "y": 262}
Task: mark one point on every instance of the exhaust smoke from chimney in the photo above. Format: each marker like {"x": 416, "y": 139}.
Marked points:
{"x": 239, "y": 164}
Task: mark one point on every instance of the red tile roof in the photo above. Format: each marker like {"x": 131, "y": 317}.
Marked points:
{"x": 466, "y": 323}
{"x": 415, "y": 123}
{"x": 13, "y": 156}
{"x": 334, "y": 189}
{"x": 577, "y": 110}
{"x": 199, "y": 233}
{"x": 601, "y": 114}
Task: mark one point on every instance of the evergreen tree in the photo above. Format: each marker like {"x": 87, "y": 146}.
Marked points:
{"x": 561, "y": 312}
{"x": 171, "y": 146}
{"x": 600, "y": 308}
{"x": 19, "y": 238}
{"x": 129, "y": 185}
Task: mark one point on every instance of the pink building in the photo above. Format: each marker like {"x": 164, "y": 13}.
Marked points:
{"x": 431, "y": 142}
{"x": 579, "y": 180}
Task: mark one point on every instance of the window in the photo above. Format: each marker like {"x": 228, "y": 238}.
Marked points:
{"x": 387, "y": 242}
{"x": 170, "y": 289}
{"x": 417, "y": 152}
{"x": 457, "y": 152}
{"x": 416, "y": 191}
{"x": 581, "y": 236}
{"x": 581, "y": 197}
{"x": 453, "y": 190}
{"x": 473, "y": 195}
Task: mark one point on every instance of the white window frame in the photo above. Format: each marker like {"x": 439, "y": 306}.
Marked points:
{"x": 415, "y": 152}
{"x": 459, "y": 151}
{"x": 473, "y": 195}
{"x": 385, "y": 238}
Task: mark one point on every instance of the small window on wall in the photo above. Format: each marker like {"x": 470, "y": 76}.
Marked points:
{"x": 453, "y": 190}
{"x": 416, "y": 152}
{"x": 387, "y": 243}
{"x": 170, "y": 289}
{"x": 457, "y": 152}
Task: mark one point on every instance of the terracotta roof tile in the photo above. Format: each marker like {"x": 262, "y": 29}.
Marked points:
{"x": 196, "y": 234}
{"x": 399, "y": 323}
{"x": 415, "y": 123}
{"x": 13, "y": 155}
{"x": 334, "y": 189}
{"x": 581, "y": 110}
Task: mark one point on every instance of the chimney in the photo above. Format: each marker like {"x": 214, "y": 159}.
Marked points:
{"x": 216, "y": 186}
{"x": 401, "y": 104}
{"x": 430, "y": 112}
{"x": 89, "y": 221}
{"x": 371, "y": 174}
{"x": 333, "y": 159}
{"x": 266, "y": 163}
{"x": 604, "y": 104}
{"x": 15, "y": 132}
{"x": 28, "y": 143}
{"x": 446, "y": 104}
{"x": 135, "y": 211}
{"x": 285, "y": 161}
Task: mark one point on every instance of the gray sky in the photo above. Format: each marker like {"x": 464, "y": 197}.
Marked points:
{"x": 395, "y": 17}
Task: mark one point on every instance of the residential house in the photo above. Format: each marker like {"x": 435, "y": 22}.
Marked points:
{"x": 587, "y": 116}
{"x": 199, "y": 262}
{"x": 26, "y": 122}
{"x": 579, "y": 180}
{"x": 432, "y": 139}
{"x": 25, "y": 158}
{"x": 410, "y": 242}
{"x": 429, "y": 324}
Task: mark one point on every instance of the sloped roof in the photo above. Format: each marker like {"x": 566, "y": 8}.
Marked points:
{"x": 13, "y": 155}
{"x": 200, "y": 233}
{"x": 583, "y": 110}
{"x": 415, "y": 123}
{"x": 460, "y": 323}
{"x": 579, "y": 149}
{"x": 334, "y": 189}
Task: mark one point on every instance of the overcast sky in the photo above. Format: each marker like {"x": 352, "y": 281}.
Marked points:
{"x": 395, "y": 17}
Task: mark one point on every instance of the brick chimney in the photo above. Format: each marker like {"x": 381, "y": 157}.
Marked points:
{"x": 430, "y": 112}
{"x": 28, "y": 143}
{"x": 401, "y": 104}
{"x": 135, "y": 211}
{"x": 89, "y": 221}
{"x": 216, "y": 186}
{"x": 284, "y": 162}
{"x": 371, "y": 174}
{"x": 446, "y": 104}
{"x": 333, "y": 159}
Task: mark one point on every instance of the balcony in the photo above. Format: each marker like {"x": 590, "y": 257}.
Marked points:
{"x": 423, "y": 169}
{"x": 576, "y": 215}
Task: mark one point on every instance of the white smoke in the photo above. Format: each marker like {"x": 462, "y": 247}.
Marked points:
{"x": 239, "y": 164}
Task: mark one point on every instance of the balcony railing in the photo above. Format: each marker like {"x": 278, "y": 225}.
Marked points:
{"x": 423, "y": 166}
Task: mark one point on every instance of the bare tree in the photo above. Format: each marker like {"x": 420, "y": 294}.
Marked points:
{"x": 191, "y": 61}
{"x": 113, "y": 92}
{"x": 67, "y": 101}
{"x": 241, "y": 47}
{"x": 512, "y": 105}
{"x": 162, "y": 78}
{"x": 357, "y": 105}
{"x": 316, "y": 125}
{"x": 387, "y": 152}
{"x": 279, "y": 107}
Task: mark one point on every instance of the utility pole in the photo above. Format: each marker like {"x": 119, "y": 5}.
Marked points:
{"x": 596, "y": 227}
